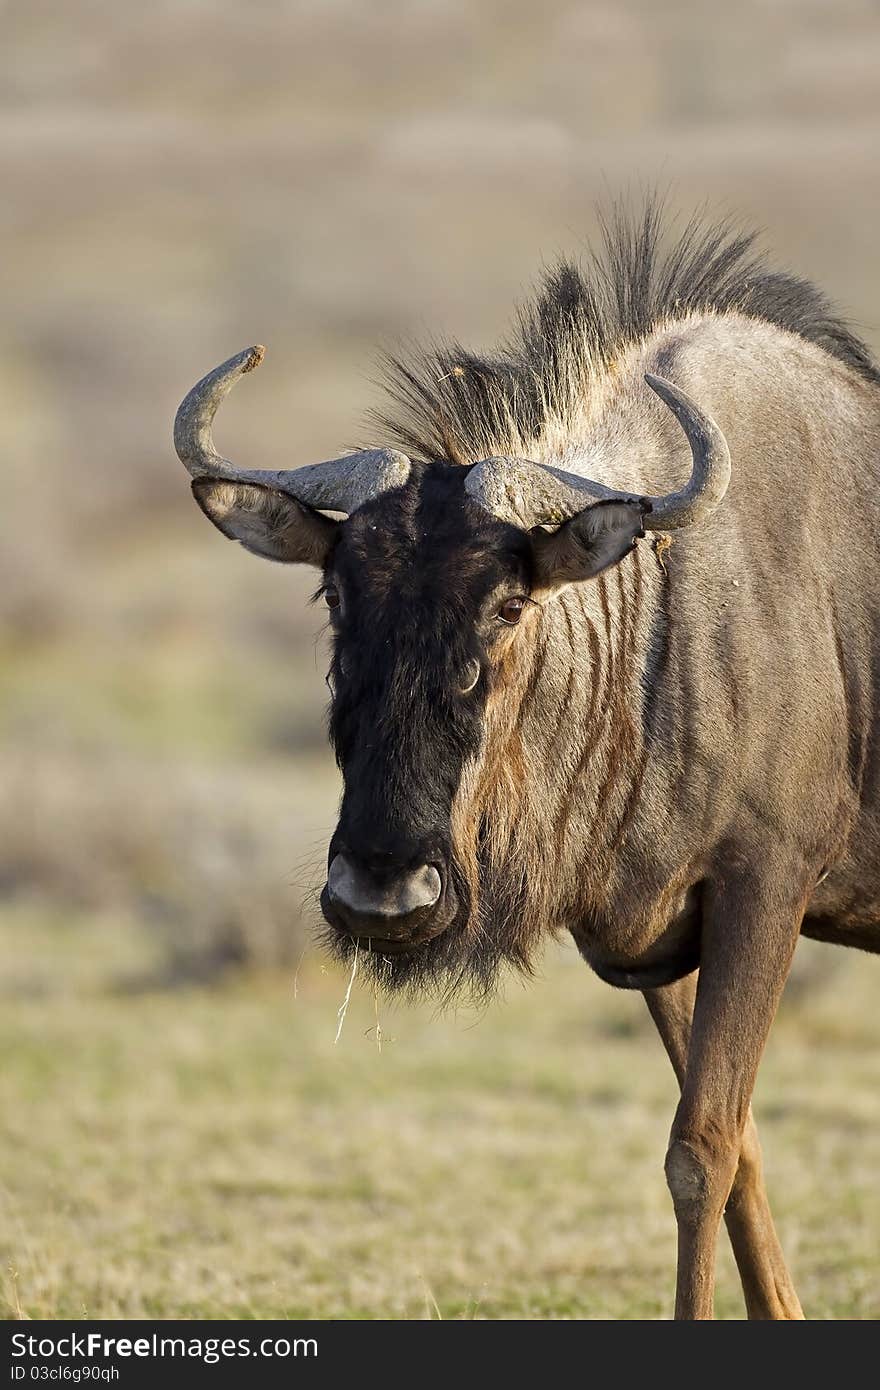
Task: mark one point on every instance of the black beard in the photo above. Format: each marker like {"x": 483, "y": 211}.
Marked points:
{"x": 459, "y": 966}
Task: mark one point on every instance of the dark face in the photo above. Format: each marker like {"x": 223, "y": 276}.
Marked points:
{"x": 438, "y": 609}
{"x": 422, "y": 587}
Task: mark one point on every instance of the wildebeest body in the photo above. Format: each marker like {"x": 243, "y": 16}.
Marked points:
{"x": 667, "y": 744}
{"x": 748, "y": 654}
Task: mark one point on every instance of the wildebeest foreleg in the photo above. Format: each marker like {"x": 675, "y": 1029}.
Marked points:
{"x": 767, "y": 1286}
{"x": 749, "y": 931}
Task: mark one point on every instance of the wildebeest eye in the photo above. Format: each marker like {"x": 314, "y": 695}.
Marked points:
{"x": 510, "y": 611}
{"x": 331, "y": 596}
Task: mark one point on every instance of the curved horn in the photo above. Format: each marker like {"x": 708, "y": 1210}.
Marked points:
{"x": 339, "y": 485}
{"x": 529, "y": 494}
{"x": 710, "y": 476}
{"x": 193, "y": 439}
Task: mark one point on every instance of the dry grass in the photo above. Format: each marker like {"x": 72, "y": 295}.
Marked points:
{"x": 180, "y": 180}
{"x": 217, "y": 866}
{"x": 214, "y": 1153}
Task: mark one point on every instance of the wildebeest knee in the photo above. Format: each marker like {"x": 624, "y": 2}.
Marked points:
{"x": 698, "y": 1174}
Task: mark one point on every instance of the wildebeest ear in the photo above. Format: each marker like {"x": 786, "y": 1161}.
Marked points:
{"x": 587, "y": 544}
{"x": 266, "y": 521}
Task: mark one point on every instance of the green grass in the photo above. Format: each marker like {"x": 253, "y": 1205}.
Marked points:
{"x": 212, "y": 1153}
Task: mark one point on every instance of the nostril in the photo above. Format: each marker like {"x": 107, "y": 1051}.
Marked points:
{"x": 471, "y": 676}
{"x": 390, "y": 896}
{"x": 427, "y": 883}
{"x": 438, "y": 868}
{"x": 337, "y": 874}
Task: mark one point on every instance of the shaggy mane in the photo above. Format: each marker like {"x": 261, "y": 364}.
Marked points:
{"x": 449, "y": 403}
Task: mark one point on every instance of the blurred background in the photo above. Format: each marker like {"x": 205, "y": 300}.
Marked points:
{"x": 180, "y": 180}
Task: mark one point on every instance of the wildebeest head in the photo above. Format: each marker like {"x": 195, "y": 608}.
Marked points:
{"x": 436, "y": 581}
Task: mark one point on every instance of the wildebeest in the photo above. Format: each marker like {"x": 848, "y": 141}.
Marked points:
{"x": 573, "y": 691}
